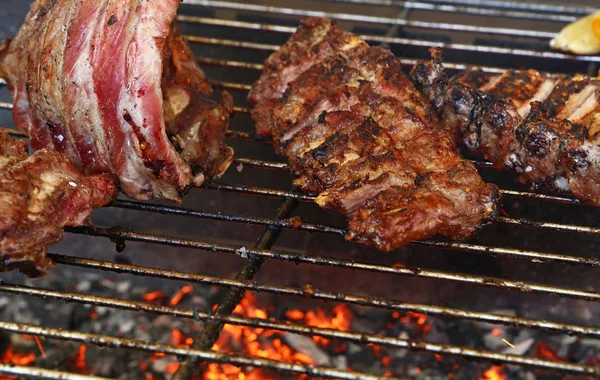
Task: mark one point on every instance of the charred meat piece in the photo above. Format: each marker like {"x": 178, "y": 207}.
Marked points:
{"x": 94, "y": 80}
{"x": 40, "y": 194}
{"x": 359, "y": 135}
{"x": 544, "y": 127}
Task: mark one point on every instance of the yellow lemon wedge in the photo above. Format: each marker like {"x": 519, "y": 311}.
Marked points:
{"x": 579, "y": 37}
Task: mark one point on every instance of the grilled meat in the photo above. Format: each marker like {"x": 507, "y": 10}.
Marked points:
{"x": 98, "y": 80}
{"x": 359, "y": 135}
{"x": 544, "y": 127}
{"x": 40, "y": 194}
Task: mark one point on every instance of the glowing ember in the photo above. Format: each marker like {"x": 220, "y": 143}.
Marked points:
{"x": 543, "y": 351}
{"x": 21, "y": 359}
{"x": 495, "y": 372}
{"x": 269, "y": 344}
{"x": 172, "y": 367}
{"x": 294, "y": 315}
{"x": 154, "y": 296}
{"x": 180, "y": 294}
{"x": 78, "y": 362}
{"x": 341, "y": 319}
{"x": 496, "y": 332}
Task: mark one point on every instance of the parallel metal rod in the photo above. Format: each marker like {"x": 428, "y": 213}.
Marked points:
{"x": 461, "y": 9}
{"x": 404, "y": 61}
{"x": 32, "y": 372}
{"x": 409, "y": 42}
{"x": 316, "y": 260}
{"x": 308, "y": 227}
{"x": 362, "y": 18}
{"x": 281, "y": 193}
{"x": 358, "y": 338}
{"x": 361, "y": 338}
{"x": 233, "y": 296}
{"x": 235, "y": 359}
{"x": 516, "y": 5}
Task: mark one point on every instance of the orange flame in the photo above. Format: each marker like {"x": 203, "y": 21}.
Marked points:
{"x": 495, "y": 372}
{"x": 268, "y": 344}
{"x": 78, "y": 362}
{"x": 544, "y": 352}
{"x": 156, "y": 295}
{"x": 340, "y": 320}
{"x": 180, "y": 294}
{"x": 15, "y": 358}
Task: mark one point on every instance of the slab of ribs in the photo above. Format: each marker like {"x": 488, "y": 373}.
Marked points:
{"x": 545, "y": 127}
{"x": 115, "y": 87}
{"x": 360, "y": 136}
{"x": 105, "y": 90}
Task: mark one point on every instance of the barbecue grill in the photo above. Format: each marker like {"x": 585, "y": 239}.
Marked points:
{"x": 542, "y": 247}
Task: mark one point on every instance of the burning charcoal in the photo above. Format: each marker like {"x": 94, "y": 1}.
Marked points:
{"x": 340, "y": 362}
{"x": 123, "y": 287}
{"x": 308, "y": 347}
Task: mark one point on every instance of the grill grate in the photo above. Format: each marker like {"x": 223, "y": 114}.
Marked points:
{"x": 466, "y": 53}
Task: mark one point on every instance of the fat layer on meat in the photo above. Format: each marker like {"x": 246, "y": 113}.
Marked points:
{"x": 94, "y": 80}
{"x": 544, "y": 127}
{"x": 40, "y": 194}
{"x": 360, "y": 136}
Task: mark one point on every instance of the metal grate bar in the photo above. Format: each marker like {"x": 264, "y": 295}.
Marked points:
{"x": 301, "y": 329}
{"x": 211, "y": 331}
{"x": 404, "y": 61}
{"x": 44, "y": 373}
{"x": 121, "y": 235}
{"x": 309, "y": 198}
{"x": 307, "y": 227}
{"x": 410, "y": 42}
{"x": 461, "y": 9}
{"x": 373, "y": 19}
{"x": 515, "y": 5}
{"x": 211, "y": 356}
{"x": 288, "y": 327}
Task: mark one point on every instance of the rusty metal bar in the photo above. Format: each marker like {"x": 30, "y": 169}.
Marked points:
{"x": 358, "y": 338}
{"x": 303, "y": 197}
{"x": 515, "y": 5}
{"x": 233, "y": 296}
{"x": 410, "y": 42}
{"x": 32, "y": 372}
{"x": 121, "y": 235}
{"x": 475, "y": 9}
{"x": 362, "y": 18}
{"x": 235, "y": 359}
{"x": 592, "y": 332}
{"x": 308, "y": 227}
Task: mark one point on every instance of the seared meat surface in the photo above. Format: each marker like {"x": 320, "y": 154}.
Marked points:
{"x": 40, "y": 194}
{"x": 359, "y": 135}
{"x": 94, "y": 80}
{"x": 544, "y": 127}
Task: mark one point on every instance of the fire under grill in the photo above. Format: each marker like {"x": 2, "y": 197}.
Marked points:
{"x": 542, "y": 251}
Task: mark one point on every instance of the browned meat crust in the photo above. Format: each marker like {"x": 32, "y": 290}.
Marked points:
{"x": 40, "y": 194}
{"x": 195, "y": 123}
{"x": 358, "y": 134}
{"x": 544, "y": 127}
